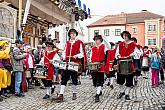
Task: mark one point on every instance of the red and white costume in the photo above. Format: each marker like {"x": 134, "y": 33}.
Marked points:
{"x": 110, "y": 60}
{"x": 50, "y": 56}
{"x": 29, "y": 61}
{"x": 98, "y": 55}
{"x": 75, "y": 48}
{"x": 126, "y": 51}
{"x": 146, "y": 55}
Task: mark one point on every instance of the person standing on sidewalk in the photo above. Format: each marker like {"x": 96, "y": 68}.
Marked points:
{"x": 155, "y": 67}
{"x": 29, "y": 62}
{"x": 17, "y": 62}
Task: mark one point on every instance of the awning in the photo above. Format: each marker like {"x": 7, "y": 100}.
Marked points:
{"x": 45, "y": 9}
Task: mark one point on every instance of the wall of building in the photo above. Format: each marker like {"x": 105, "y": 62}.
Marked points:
{"x": 139, "y": 34}
{"x": 112, "y": 37}
{"x": 157, "y": 34}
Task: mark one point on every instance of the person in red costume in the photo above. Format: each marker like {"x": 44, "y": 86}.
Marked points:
{"x": 49, "y": 56}
{"x": 74, "y": 52}
{"x": 98, "y": 55}
{"x": 109, "y": 70}
{"x": 137, "y": 60}
{"x": 125, "y": 51}
{"x": 146, "y": 61}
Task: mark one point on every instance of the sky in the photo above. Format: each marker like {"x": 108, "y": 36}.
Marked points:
{"x": 101, "y": 8}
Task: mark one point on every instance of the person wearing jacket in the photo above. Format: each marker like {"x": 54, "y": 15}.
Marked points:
{"x": 17, "y": 62}
{"x": 155, "y": 66}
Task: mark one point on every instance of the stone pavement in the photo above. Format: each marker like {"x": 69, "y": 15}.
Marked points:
{"x": 143, "y": 97}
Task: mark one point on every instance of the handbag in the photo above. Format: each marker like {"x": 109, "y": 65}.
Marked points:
{"x": 27, "y": 74}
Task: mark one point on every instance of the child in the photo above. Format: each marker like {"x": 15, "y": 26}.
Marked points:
{"x": 98, "y": 55}
{"x": 155, "y": 66}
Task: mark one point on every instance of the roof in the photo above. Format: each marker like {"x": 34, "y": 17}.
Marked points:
{"x": 125, "y": 18}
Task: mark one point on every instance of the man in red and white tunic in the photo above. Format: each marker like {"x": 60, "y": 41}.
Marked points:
{"x": 74, "y": 52}
{"x": 98, "y": 55}
{"x": 137, "y": 60}
{"x": 125, "y": 51}
{"x": 47, "y": 60}
{"x": 146, "y": 61}
{"x": 109, "y": 70}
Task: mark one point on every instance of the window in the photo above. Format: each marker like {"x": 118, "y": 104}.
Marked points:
{"x": 151, "y": 27}
{"x": 134, "y": 30}
{"x": 96, "y": 32}
{"x": 117, "y": 32}
{"x": 151, "y": 41}
{"x": 106, "y": 32}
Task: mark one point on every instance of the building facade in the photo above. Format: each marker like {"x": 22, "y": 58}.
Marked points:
{"x": 147, "y": 27}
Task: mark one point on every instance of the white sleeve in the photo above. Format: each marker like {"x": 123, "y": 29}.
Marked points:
{"x": 81, "y": 54}
{"x": 90, "y": 57}
{"x": 105, "y": 49}
{"x": 42, "y": 61}
{"x": 56, "y": 57}
{"x": 64, "y": 54}
{"x": 141, "y": 51}
{"x": 117, "y": 53}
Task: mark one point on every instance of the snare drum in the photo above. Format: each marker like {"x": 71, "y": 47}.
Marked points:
{"x": 63, "y": 65}
{"x": 110, "y": 66}
{"x": 94, "y": 66}
{"x": 145, "y": 62}
{"x": 125, "y": 66}
{"x": 40, "y": 71}
{"x": 73, "y": 66}
{"x": 57, "y": 63}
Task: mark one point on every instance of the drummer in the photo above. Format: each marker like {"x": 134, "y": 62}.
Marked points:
{"x": 98, "y": 55}
{"x": 74, "y": 52}
{"x": 125, "y": 51}
{"x": 146, "y": 61}
{"x": 137, "y": 60}
{"x": 49, "y": 56}
{"x": 110, "y": 72}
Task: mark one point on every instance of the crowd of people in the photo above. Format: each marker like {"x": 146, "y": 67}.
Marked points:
{"x": 126, "y": 61}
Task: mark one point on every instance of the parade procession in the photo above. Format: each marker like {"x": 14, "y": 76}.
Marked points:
{"x": 62, "y": 55}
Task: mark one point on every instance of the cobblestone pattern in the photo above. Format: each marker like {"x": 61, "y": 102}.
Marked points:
{"x": 143, "y": 97}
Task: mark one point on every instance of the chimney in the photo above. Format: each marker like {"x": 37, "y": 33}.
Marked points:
{"x": 144, "y": 10}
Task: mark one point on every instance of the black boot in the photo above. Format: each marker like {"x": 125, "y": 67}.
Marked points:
{"x": 108, "y": 84}
{"x": 1, "y": 99}
{"x": 52, "y": 89}
{"x": 120, "y": 95}
{"x": 111, "y": 86}
{"x": 97, "y": 98}
{"x": 46, "y": 96}
{"x": 127, "y": 97}
{"x": 74, "y": 96}
{"x": 100, "y": 93}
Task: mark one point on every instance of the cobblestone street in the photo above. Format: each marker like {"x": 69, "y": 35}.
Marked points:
{"x": 143, "y": 97}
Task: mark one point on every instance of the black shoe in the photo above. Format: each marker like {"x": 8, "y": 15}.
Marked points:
{"x": 46, "y": 96}
{"x": 111, "y": 86}
{"x": 20, "y": 95}
{"x": 108, "y": 84}
{"x": 1, "y": 99}
{"x": 6, "y": 95}
{"x": 97, "y": 98}
{"x": 127, "y": 97}
{"x": 79, "y": 82}
{"x": 74, "y": 96}
{"x": 120, "y": 95}
{"x": 100, "y": 93}
{"x": 52, "y": 90}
